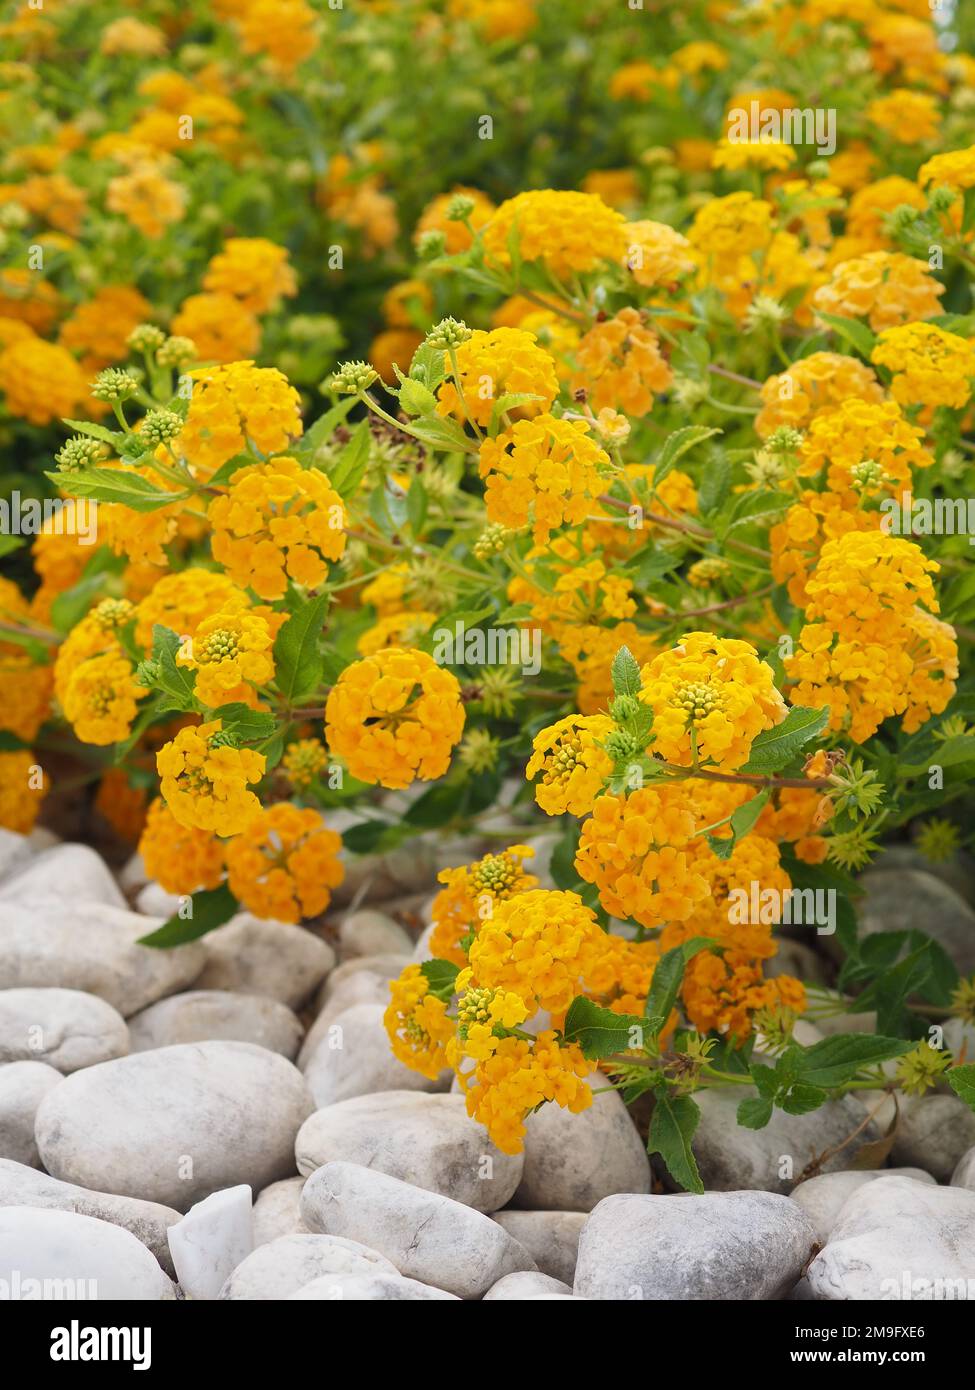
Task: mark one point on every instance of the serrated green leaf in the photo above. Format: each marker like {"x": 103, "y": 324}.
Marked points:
{"x": 775, "y": 748}
{"x": 100, "y": 432}
{"x": 118, "y": 485}
{"x": 838, "y": 1059}
{"x": 754, "y": 1113}
{"x": 625, "y": 673}
{"x": 441, "y": 975}
{"x": 672, "y": 1128}
{"x": 297, "y": 659}
{"x": 962, "y": 1082}
{"x": 250, "y": 725}
{"x": 179, "y": 682}
{"x": 347, "y": 472}
{"x": 668, "y": 975}
{"x": 676, "y": 446}
{"x": 600, "y": 1032}
{"x": 853, "y": 331}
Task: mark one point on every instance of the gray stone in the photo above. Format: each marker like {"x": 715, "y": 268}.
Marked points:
{"x": 72, "y": 873}
{"x": 14, "y": 852}
{"x": 253, "y": 956}
{"x": 354, "y": 1058}
{"x": 964, "y": 1174}
{"x": 935, "y": 1133}
{"x": 211, "y": 1240}
{"x": 902, "y": 899}
{"x": 550, "y": 1237}
{"x": 426, "y": 1236}
{"x": 176, "y": 1124}
{"x": 574, "y": 1161}
{"x": 899, "y": 1239}
{"x": 384, "y": 968}
{"x": 429, "y": 1141}
{"x": 823, "y": 1198}
{"x": 361, "y": 988}
{"x": 958, "y": 871}
{"x": 277, "y": 1211}
{"x": 516, "y": 1287}
{"x": 44, "y": 1249}
{"x": 23, "y": 1085}
{"x": 205, "y": 1015}
{"x": 149, "y": 1222}
{"x": 55, "y": 944}
{"x": 283, "y": 1266}
{"x": 368, "y": 932}
{"x": 744, "y": 1246}
{"x": 370, "y": 1288}
{"x": 798, "y": 959}
{"x": 731, "y": 1157}
{"x": 65, "y": 1028}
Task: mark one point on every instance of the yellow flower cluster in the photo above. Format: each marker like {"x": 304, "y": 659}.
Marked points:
{"x": 544, "y": 472}
{"x": 278, "y": 521}
{"x": 884, "y": 287}
{"x": 565, "y": 231}
{"x": 233, "y": 404}
{"x": 490, "y": 366}
{"x": 869, "y": 649}
{"x": 469, "y": 896}
{"x": 393, "y": 717}
{"x": 620, "y": 365}
{"x": 253, "y": 271}
{"x": 930, "y": 366}
{"x": 285, "y": 863}
{"x": 710, "y": 697}
{"x": 204, "y": 780}
{"x": 231, "y": 654}
{"x": 570, "y": 764}
{"x": 182, "y": 858}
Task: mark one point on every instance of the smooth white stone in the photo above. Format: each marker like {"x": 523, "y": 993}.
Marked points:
{"x": 211, "y": 1240}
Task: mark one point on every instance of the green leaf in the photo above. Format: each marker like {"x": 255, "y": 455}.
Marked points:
{"x": 442, "y": 434}
{"x": 438, "y": 805}
{"x": 625, "y": 673}
{"x": 775, "y": 748}
{"x": 441, "y": 976}
{"x": 428, "y": 366}
{"x": 668, "y": 975}
{"x": 836, "y": 1060}
{"x": 855, "y": 333}
{"x": 179, "y": 682}
{"x": 676, "y": 446}
{"x": 962, "y": 1082}
{"x": 741, "y": 821}
{"x": 227, "y": 470}
{"x": 120, "y": 485}
{"x": 372, "y": 836}
{"x": 715, "y": 486}
{"x": 600, "y": 1032}
{"x": 351, "y": 464}
{"x": 675, "y": 1120}
{"x": 250, "y": 725}
{"x": 70, "y": 607}
{"x": 210, "y": 908}
{"x": 416, "y": 507}
{"x": 324, "y": 427}
{"x": 801, "y": 1098}
{"x": 10, "y": 743}
{"x": 297, "y": 659}
{"x": 416, "y": 399}
{"x": 107, "y": 436}
{"x": 755, "y": 1112}
{"x": 9, "y": 543}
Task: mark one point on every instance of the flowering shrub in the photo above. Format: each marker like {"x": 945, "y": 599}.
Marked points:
{"x": 627, "y": 511}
